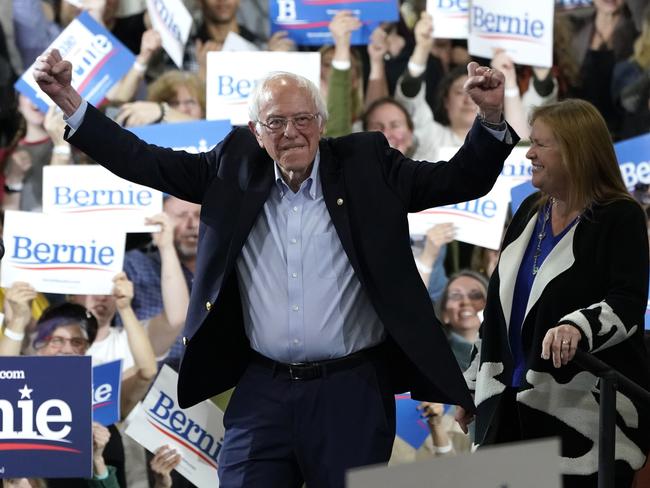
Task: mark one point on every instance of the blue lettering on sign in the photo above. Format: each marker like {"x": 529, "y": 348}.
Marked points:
{"x": 462, "y": 5}
{"x": 64, "y": 195}
{"x": 25, "y": 251}
{"x": 228, "y": 86}
{"x": 505, "y": 24}
{"x": 90, "y": 57}
{"x": 166, "y": 413}
{"x": 482, "y": 207}
{"x": 523, "y": 168}
{"x": 168, "y": 19}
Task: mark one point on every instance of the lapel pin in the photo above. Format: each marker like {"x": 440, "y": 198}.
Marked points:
{"x": 339, "y": 201}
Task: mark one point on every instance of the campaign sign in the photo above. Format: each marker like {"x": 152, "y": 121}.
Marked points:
{"x": 173, "y": 22}
{"x": 307, "y": 21}
{"x": 632, "y": 155}
{"x": 193, "y": 137}
{"x": 45, "y": 417}
{"x": 231, "y": 77}
{"x": 92, "y": 190}
{"x": 479, "y": 221}
{"x": 98, "y": 60}
{"x": 523, "y": 29}
{"x": 519, "y": 193}
{"x": 450, "y": 18}
{"x": 73, "y": 254}
{"x": 410, "y": 426}
{"x": 107, "y": 383}
{"x": 196, "y": 432}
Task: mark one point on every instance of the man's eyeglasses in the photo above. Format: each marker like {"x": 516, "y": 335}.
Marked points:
{"x": 279, "y": 124}
{"x": 57, "y": 342}
{"x": 473, "y": 296}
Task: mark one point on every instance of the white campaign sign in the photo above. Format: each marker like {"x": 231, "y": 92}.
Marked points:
{"x": 72, "y": 254}
{"x": 450, "y": 18}
{"x": 173, "y": 22}
{"x": 231, "y": 77}
{"x": 195, "y": 432}
{"x": 523, "y": 29}
{"x": 93, "y": 190}
{"x": 480, "y": 221}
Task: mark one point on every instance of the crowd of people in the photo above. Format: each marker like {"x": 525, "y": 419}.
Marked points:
{"x": 560, "y": 281}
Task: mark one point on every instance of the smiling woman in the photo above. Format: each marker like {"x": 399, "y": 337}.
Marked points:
{"x": 573, "y": 273}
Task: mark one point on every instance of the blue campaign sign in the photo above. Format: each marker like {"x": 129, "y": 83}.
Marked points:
{"x": 519, "y": 193}
{"x": 45, "y": 414}
{"x": 307, "y": 21}
{"x": 107, "y": 380}
{"x": 193, "y": 137}
{"x": 410, "y": 427}
{"x": 632, "y": 155}
{"x": 99, "y": 60}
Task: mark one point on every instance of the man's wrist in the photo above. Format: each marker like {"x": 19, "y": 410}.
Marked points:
{"x": 494, "y": 120}
{"x": 69, "y": 101}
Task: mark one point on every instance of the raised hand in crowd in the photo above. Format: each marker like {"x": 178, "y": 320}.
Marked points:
{"x": 437, "y": 236}
{"x": 514, "y": 110}
{"x": 201, "y": 52}
{"x": 101, "y": 436}
{"x": 55, "y": 127}
{"x": 135, "y": 380}
{"x": 167, "y": 326}
{"x": 16, "y": 171}
{"x": 280, "y": 41}
{"x": 433, "y": 413}
{"x": 164, "y": 461}
{"x": 423, "y": 32}
{"x": 341, "y": 26}
{"x": 377, "y": 50}
{"x": 125, "y": 90}
{"x": 18, "y": 317}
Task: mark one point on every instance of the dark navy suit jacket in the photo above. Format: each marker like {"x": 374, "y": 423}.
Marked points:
{"x": 368, "y": 188}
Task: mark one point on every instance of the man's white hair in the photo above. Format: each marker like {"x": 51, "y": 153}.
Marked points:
{"x": 261, "y": 93}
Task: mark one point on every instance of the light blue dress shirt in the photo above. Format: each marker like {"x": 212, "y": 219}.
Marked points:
{"x": 301, "y": 299}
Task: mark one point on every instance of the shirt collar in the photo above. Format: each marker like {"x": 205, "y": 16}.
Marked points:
{"x": 311, "y": 184}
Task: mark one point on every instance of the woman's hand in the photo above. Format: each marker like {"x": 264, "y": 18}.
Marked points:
{"x": 561, "y": 342}
{"x": 463, "y": 418}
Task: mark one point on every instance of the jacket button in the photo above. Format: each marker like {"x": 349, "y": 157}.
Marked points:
{"x": 185, "y": 340}
{"x": 208, "y": 306}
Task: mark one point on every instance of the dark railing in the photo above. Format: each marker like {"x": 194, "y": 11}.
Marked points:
{"x": 610, "y": 381}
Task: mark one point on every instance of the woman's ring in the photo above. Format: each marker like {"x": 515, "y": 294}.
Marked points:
{"x": 565, "y": 342}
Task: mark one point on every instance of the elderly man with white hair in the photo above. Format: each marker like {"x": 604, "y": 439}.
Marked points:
{"x": 306, "y": 295}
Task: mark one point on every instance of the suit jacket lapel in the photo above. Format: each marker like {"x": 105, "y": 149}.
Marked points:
{"x": 333, "y": 184}
{"x": 256, "y": 192}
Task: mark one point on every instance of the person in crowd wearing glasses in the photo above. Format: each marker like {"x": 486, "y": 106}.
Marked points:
{"x": 572, "y": 274}
{"x": 306, "y": 295}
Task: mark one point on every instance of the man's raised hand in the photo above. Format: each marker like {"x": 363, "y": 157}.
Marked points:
{"x": 54, "y": 76}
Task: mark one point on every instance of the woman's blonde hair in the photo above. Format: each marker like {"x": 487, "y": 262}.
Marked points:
{"x": 163, "y": 89}
{"x": 586, "y": 150}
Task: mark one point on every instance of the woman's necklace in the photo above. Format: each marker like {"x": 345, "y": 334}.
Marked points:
{"x": 541, "y": 235}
